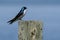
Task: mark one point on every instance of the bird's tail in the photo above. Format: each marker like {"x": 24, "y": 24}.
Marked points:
{"x": 11, "y": 21}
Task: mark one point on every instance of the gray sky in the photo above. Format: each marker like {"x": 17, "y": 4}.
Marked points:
{"x": 38, "y": 2}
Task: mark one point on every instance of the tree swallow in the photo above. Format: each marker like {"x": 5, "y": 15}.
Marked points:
{"x": 19, "y": 16}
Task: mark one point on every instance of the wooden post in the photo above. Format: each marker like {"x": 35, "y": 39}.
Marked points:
{"x": 30, "y": 30}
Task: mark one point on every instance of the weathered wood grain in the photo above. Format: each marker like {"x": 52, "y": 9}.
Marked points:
{"x": 30, "y": 30}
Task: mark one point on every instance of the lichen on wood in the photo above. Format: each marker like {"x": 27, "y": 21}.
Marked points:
{"x": 30, "y": 30}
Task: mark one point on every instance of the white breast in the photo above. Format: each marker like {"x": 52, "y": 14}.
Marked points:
{"x": 25, "y": 11}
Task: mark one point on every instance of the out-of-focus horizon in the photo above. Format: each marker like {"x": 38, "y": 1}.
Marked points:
{"x": 48, "y": 11}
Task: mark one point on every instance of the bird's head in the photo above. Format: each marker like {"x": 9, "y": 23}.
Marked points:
{"x": 24, "y": 8}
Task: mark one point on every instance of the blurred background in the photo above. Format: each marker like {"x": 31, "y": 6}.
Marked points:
{"x": 48, "y": 11}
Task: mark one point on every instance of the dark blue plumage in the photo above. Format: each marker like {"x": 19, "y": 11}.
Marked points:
{"x": 19, "y": 16}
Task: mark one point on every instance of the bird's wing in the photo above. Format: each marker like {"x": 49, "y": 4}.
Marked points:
{"x": 18, "y": 15}
{"x": 15, "y": 18}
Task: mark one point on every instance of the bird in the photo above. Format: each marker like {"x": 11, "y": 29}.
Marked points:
{"x": 19, "y": 16}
